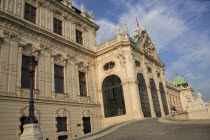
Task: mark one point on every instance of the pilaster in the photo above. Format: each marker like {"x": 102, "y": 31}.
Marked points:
{"x": 151, "y": 102}
{"x": 161, "y": 103}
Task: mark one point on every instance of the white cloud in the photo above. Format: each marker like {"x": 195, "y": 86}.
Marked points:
{"x": 106, "y": 31}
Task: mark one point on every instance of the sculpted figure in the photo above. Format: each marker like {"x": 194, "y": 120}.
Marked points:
{"x": 90, "y": 14}
{"x": 82, "y": 9}
{"x": 125, "y": 29}
{"x": 199, "y": 99}
{"x": 118, "y": 29}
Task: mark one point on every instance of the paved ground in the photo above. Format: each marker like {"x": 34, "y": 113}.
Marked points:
{"x": 152, "y": 129}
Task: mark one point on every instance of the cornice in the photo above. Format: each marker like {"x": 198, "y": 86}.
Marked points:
{"x": 66, "y": 9}
{"x": 42, "y": 101}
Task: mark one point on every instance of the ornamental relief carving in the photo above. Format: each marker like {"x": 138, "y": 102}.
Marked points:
{"x": 62, "y": 112}
{"x": 59, "y": 59}
{"x": 60, "y": 97}
{"x": 121, "y": 59}
{"x": 45, "y": 48}
{"x": 86, "y": 113}
{"x": 25, "y": 93}
{"x": 29, "y": 50}
{"x": 131, "y": 58}
{"x": 147, "y": 45}
{"x": 81, "y": 66}
{"x": 24, "y": 111}
{"x": 11, "y": 35}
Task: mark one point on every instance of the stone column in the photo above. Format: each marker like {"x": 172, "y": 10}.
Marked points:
{"x": 161, "y": 103}
{"x": 151, "y": 101}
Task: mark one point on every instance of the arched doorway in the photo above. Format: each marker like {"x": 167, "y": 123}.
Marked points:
{"x": 143, "y": 95}
{"x": 163, "y": 96}
{"x": 155, "y": 98}
{"x": 113, "y": 97}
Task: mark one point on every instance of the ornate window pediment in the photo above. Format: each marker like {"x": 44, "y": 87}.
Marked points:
{"x": 59, "y": 59}
{"x": 29, "y": 50}
{"x": 81, "y": 66}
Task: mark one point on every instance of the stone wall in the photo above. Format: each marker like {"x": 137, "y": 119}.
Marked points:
{"x": 12, "y": 109}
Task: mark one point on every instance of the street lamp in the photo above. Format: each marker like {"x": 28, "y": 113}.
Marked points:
{"x": 31, "y": 65}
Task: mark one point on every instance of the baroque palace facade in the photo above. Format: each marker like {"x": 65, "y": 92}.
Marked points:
{"x": 79, "y": 87}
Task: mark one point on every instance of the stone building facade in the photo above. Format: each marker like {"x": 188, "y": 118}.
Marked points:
{"x": 79, "y": 86}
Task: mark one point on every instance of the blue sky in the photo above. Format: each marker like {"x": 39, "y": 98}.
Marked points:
{"x": 180, "y": 30}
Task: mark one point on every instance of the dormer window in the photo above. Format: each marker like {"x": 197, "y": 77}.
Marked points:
{"x": 79, "y": 37}
{"x": 109, "y": 65}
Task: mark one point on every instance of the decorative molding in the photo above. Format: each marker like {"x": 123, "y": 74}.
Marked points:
{"x": 62, "y": 112}
{"x": 59, "y": 59}
{"x": 11, "y": 35}
{"x": 60, "y": 97}
{"x": 25, "y": 93}
{"x": 45, "y": 48}
{"x": 29, "y": 50}
{"x": 81, "y": 66}
{"x": 121, "y": 57}
{"x": 86, "y": 113}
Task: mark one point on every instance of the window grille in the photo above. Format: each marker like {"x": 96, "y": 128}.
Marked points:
{"x": 25, "y": 75}
{"x": 57, "y": 26}
{"x": 79, "y": 37}
{"x": 30, "y": 13}
{"x": 113, "y": 97}
{"x": 155, "y": 98}
{"x": 143, "y": 96}
{"x": 61, "y": 124}
{"x": 59, "y": 79}
{"x": 82, "y": 84}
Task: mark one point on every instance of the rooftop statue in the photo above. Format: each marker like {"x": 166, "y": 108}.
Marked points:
{"x": 118, "y": 29}
{"x": 125, "y": 29}
{"x": 82, "y": 8}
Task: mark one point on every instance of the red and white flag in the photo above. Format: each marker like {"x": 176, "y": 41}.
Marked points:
{"x": 137, "y": 23}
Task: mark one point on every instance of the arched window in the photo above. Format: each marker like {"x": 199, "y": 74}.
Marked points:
{"x": 113, "y": 96}
{"x": 163, "y": 96}
{"x": 143, "y": 95}
{"x": 155, "y": 98}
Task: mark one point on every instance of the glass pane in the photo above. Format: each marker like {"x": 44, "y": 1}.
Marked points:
{"x": 155, "y": 98}
{"x": 143, "y": 96}
{"x": 113, "y": 97}
{"x": 163, "y": 96}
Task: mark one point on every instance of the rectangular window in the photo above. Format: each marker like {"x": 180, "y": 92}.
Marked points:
{"x": 30, "y": 13}
{"x": 57, "y": 26}
{"x": 59, "y": 79}
{"x": 82, "y": 84}
{"x": 61, "y": 124}
{"x": 25, "y": 77}
{"x": 79, "y": 37}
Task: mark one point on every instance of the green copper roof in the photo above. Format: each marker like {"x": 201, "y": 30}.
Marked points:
{"x": 179, "y": 81}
